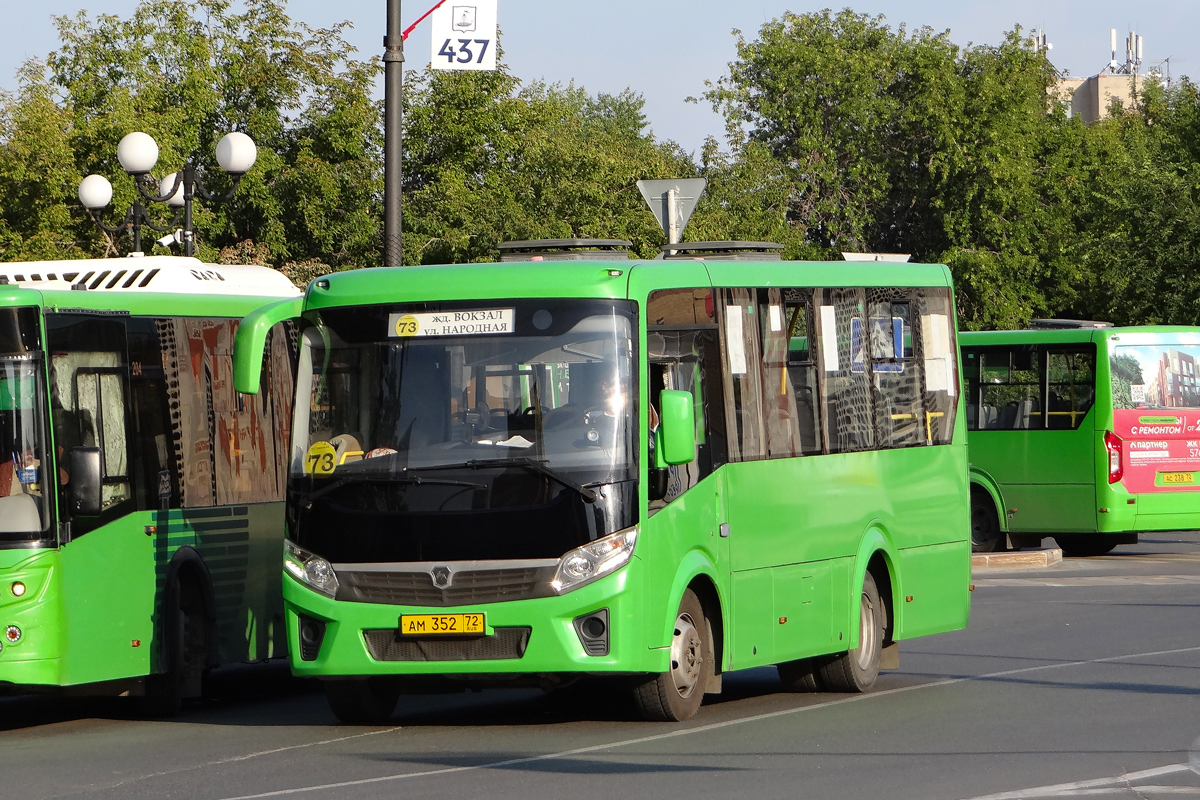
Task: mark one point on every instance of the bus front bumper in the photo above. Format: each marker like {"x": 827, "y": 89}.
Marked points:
{"x": 524, "y": 637}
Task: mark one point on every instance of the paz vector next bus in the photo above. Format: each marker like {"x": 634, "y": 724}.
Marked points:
{"x": 663, "y": 470}
{"x": 1083, "y": 432}
{"x": 141, "y": 504}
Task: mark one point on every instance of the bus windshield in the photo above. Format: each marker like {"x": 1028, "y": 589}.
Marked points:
{"x": 559, "y": 396}
{"x": 23, "y": 460}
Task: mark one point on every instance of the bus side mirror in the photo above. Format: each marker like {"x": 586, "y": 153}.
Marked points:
{"x": 83, "y": 489}
{"x": 676, "y": 443}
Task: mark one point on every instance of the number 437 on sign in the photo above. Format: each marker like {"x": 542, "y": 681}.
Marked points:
{"x": 464, "y": 35}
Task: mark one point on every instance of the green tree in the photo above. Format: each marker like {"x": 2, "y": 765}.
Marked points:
{"x": 490, "y": 160}
{"x": 186, "y": 72}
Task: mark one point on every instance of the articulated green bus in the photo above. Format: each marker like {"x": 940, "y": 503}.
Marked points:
{"x": 664, "y": 470}
{"x": 1083, "y": 432}
{"x": 141, "y": 509}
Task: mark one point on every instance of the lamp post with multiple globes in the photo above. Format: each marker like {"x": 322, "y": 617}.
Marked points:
{"x": 138, "y": 153}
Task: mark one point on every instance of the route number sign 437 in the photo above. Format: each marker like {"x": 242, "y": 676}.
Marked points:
{"x": 464, "y": 35}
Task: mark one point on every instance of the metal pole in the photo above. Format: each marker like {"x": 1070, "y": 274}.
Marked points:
{"x": 189, "y": 190}
{"x": 393, "y": 132}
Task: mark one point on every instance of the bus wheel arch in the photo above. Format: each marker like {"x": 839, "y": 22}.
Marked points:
{"x": 987, "y": 532}
{"x": 185, "y": 640}
{"x": 710, "y": 600}
{"x": 881, "y": 570}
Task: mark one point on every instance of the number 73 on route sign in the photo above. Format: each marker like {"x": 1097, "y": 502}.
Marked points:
{"x": 464, "y": 35}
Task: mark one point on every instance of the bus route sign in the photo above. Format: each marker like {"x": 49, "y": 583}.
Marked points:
{"x": 464, "y": 35}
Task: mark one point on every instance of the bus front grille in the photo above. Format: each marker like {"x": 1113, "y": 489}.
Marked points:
{"x": 503, "y": 644}
{"x": 467, "y": 587}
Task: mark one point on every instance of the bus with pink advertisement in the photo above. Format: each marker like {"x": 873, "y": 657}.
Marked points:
{"x": 1082, "y": 432}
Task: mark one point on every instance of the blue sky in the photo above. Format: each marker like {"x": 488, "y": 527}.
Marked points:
{"x": 667, "y": 50}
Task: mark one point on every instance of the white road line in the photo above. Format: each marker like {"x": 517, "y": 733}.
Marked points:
{"x": 1094, "y": 580}
{"x": 1096, "y": 785}
{"x": 698, "y": 729}
{"x": 230, "y": 760}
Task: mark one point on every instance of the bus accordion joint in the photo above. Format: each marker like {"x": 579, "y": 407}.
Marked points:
{"x": 1114, "y": 446}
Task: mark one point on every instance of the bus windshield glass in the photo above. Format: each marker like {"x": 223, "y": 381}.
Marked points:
{"x": 397, "y": 388}
{"x": 24, "y": 459}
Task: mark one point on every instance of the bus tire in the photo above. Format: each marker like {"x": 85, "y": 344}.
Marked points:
{"x": 986, "y": 536}
{"x": 1082, "y": 546}
{"x": 802, "y": 675}
{"x": 363, "y": 701}
{"x": 185, "y": 651}
{"x": 675, "y": 696}
{"x": 856, "y": 670}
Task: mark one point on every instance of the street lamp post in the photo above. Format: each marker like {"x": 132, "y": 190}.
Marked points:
{"x": 138, "y": 153}
{"x": 95, "y": 193}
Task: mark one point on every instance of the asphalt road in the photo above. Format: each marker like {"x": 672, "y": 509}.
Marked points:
{"x": 1082, "y": 679}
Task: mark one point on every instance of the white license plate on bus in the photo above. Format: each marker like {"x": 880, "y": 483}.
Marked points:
{"x": 442, "y": 625}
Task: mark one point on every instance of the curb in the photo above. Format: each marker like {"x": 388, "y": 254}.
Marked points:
{"x": 1021, "y": 558}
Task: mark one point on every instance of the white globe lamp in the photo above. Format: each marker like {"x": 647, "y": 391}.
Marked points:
{"x": 137, "y": 152}
{"x": 95, "y": 192}
{"x": 236, "y": 153}
{"x": 165, "y": 185}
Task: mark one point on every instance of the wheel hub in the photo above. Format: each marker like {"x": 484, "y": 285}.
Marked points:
{"x": 687, "y": 659}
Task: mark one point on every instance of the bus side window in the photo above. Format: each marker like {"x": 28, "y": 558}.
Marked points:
{"x": 896, "y": 380}
{"x": 1011, "y": 396}
{"x": 789, "y": 373}
{"x": 741, "y": 375}
{"x": 937, "y": 351}
{"x": 155, "y": 477}
{"x": 1071, "y": 378}
{"x": 89, "y": 404}
{"x": 845, "y": 392}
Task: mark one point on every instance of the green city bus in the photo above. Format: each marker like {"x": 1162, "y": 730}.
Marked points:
{"x": 527, "y": 473}
{"x": 141, "y": 509}
{"x": 1082, "y": 432}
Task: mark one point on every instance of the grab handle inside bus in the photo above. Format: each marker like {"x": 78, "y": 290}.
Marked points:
{"x": 677, "y": 430}
{"x": 251, "y": 341}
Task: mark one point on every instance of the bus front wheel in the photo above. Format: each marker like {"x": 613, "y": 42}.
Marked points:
{"x": 363, "y": 701}
{"x": 985, "y": 528}
{"x": 675, "y": 696}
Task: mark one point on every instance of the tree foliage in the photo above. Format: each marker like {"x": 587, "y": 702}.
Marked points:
{"x": 842, "y": 133}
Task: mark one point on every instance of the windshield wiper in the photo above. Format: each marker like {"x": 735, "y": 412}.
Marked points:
{"x": 529, "y": 463}
{"x": 375, "y": 477}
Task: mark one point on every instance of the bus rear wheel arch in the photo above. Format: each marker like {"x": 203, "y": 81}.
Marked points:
{"x": 184, "y": 656}
{"x": 986, "y": 536}
{"x": 855, "y": 670}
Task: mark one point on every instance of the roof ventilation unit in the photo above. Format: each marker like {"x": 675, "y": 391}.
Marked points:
{"x": 566, "y": 250}
{"x": 892, "y": 258}
{"x": 722, "y": 251}
{"x": 1065, "y": 324}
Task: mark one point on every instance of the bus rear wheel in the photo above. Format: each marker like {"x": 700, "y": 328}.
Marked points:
{"x": 185, "y": 652}
{"x": 985, "y": 528}
{"x": 363, "y": 701}
{"x": 1077, "y": 546}
{"x": 857, "y": 670}
{"x": 676, "y": 695}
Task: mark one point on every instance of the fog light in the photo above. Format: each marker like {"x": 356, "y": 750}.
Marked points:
{"x": 12, "y": 634}
{"x": 592, "y": 630}
{"x": 312, "y": 633}
{"x": 18, "y": 589}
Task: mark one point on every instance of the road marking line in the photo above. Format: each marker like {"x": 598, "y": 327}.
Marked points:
{"x": 1094, "y": 580}
{"x": 1097, "y": 785}
{"x": 233, "y": 759}
{"x": 698, "y": 729}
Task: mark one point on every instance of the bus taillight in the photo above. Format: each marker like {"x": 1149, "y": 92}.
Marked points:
{"x": 1115, "y": 469}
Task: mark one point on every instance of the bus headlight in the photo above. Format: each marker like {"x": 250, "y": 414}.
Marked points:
{"x": 310, "y": 569}
{"x": 592, "y": 561}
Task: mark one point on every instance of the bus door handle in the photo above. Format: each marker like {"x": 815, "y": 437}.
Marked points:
{"x": 724, "y": 529}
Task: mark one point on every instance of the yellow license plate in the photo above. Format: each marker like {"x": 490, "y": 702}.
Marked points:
{"x": 442, "y": 625}
{"x": 1179, "y": 477}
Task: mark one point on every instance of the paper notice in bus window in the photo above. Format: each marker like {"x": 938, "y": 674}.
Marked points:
{"x": 484, "y": 321}
{"x": 735, "y": 340}
{"x": 939, "y": 360}
{"x": 829, "y": 338}
{"x": 776, "y": 319}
